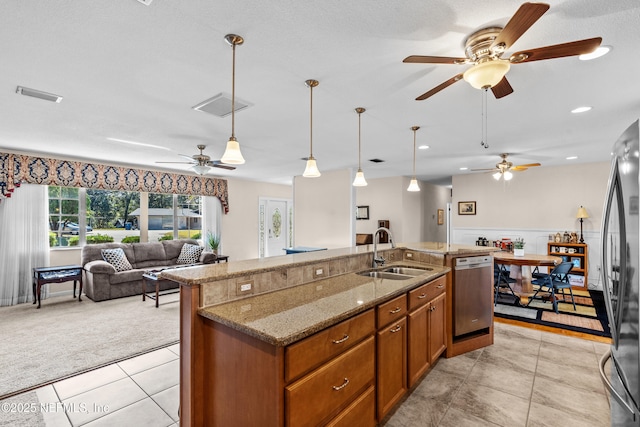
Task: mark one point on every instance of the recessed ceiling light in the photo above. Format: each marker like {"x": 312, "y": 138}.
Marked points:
{"x": 463, "y": 169}
{"x": 38, "y": 94}
{"x": 580, "y": 110}
{"x": 423, "y": 147}
{"x": 601, "y": 51}
{"x": 572, "y": 157}
{"x": 124, "y": 141}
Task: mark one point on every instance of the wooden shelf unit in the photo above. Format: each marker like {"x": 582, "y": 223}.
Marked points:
{"x": 581, "y": 253}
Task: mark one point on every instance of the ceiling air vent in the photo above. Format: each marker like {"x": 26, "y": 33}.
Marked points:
{"x": 38, "y": 94}
{"x": 220, "y": 105}
{"x": 145, "y": 2}
{"x": 376, "y": 160}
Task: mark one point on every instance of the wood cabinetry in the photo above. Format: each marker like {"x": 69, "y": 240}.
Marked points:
{"x": 578, "y": 255}
{"x": 391, "y": 372}
{"x": 426, "y": 328}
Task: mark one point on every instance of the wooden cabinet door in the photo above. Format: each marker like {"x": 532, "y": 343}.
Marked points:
{"x": 418, "y": 351}
{"x": 437, "y": 327}
{"x": 392, "y": 365}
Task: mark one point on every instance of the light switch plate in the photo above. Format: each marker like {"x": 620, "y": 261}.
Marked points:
{"x": 244, "y": 287}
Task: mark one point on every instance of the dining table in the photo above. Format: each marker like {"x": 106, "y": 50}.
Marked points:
{"x": 520, "y": 270}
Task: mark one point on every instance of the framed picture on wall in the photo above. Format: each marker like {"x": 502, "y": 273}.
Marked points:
{"x": 440, "y": 216}
{"x": 362, "y": 212}
{"x": 466, "y": 208}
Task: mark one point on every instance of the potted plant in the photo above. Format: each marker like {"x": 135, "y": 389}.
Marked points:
{"x": 518, "y": 247}
{"x": 213, "y": 241}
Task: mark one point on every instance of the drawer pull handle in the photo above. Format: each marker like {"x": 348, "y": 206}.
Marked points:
{"x": 440, "y": 286}
{"x": 340, "y": 341}
{"x": 422, "y": 296}
{"x": 396, "y": 329}
{"x": 395, "y": 310}
{"x": 340, "y": 387}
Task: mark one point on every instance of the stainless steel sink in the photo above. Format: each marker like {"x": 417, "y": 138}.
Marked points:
{"x": 385, "y": 275}
{"x": 409, "y": 271}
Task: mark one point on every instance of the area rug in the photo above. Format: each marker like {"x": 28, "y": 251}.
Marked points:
{"x": 67, "y": 337}
{"x": 590, "y": 316}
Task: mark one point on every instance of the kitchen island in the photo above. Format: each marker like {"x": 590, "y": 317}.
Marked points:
{"x": 264, "y": 342}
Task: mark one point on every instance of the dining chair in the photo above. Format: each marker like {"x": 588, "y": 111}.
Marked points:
{"x": 556, "y": 280}
{"x": 501, "y": 280}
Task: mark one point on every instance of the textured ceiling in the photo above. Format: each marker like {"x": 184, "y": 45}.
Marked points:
{"x": 132, "y": 72}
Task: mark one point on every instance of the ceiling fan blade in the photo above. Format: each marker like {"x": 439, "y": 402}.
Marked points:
{"x": 524, "y": 167}
{"x": 185, "y": 163}
{"x": 219, "y": 164}
{"x": 485, "y": 170}
{"x": 562, "y": 50}
{"x": 438, "y": 88}
{"x": 418, "y": 59}
{"x": 187, "y": 157}
{"x": 519, "y": 23}
{"x": 502, "y": 89}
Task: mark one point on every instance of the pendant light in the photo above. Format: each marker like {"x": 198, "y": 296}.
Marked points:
{"x": 413, "y": 185}
{"x": 359, "y": 181}
{"x": 311, "y": 171}
{"x": 232, "y": 154}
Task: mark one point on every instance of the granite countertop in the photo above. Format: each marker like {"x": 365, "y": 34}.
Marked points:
{"x": 288, "y": 315}
{"x": 448, "y": 249}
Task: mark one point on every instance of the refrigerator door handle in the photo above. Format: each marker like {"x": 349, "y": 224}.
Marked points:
{"x": 609, "y": 386}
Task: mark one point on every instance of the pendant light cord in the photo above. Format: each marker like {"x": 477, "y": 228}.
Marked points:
{"x": 484, "y": 117}
{"x": 359, "y": 149}
{"x": 233, "y": 92}
{"x": 414, "y": 153}
{"x": 311, "y": 122}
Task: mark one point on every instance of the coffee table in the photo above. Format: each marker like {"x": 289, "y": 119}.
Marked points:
{"x": 151, "y": 277}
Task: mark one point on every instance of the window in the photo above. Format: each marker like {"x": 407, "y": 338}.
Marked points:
{"x": 114, "y": 216}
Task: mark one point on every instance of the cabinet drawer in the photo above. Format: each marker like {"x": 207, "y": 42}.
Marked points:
{"x": 329, "y": 388}
{"x": 436, "y": 287}
{"x": 311, "y": 352}
{"x": 362, "y": 412}
{"x": 418, "y": 296}
{"x": 391, "y": 310}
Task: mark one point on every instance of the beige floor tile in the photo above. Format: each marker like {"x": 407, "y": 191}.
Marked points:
{"x": 159, "y": 378}
{"x": 502, "y": 377}
{"x": 417, "y": 411}
{"x": 460, "y": 365}
{"x": 457, "y": 418}
{"x": 175, "y": 348}
{"x": 561, "y": 371}
{"x": 439, "y": 385}
{"x": 88, "y": 381}
{"x": 569, "y": 342}
{"x": 169, "y": 401}
{"x": 102, "y": 401}
{"x": 56, "y": 416}
{"x": 516, "y": 357}
{"x": 491, "y": 405}
{"x": 144, "y": 413}
{"x": 146, "y": 361}
{"x": 574, "y": 355}
{"x": 545, "y": 416}
{"x": 591, "y": 405}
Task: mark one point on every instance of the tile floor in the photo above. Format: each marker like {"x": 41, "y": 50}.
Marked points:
{"x": 527, "y": 378}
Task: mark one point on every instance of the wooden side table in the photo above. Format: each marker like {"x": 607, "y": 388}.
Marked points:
{"x": 224, "y": 258}
{"x": 151, "y": 277}
{"x": 58, "y": 274}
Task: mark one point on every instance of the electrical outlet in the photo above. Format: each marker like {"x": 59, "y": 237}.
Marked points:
{"x": 244, "y": 287}
{"x": 319, "y": 272}
{"x": 409, "y": 255}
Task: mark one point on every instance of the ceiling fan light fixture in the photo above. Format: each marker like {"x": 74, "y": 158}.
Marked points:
{"x": 200, "y": 169}
{"x": 487, "y": 74}
{"x": 497, "y": 176}
{"x": 597, "y": 53}
{"x": 507, "y": 175}
{"x": 232, "y": 154}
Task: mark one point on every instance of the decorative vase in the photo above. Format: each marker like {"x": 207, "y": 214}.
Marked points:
{"x": 518, "y": 252}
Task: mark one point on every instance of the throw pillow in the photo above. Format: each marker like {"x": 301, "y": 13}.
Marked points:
{"x": 117, "y": 258}
{"x": 190, "y": 254}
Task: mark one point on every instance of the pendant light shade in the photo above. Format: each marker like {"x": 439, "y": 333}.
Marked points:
{"x": 311, "y": 171}
{"x": 359, "y": 180}
{"x": 413, "y": 185}
{"x": 232, "y": 154}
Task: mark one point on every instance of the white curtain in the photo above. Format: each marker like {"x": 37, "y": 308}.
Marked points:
{"x": 212, "y": 217}
{"x": 24, "y": 242}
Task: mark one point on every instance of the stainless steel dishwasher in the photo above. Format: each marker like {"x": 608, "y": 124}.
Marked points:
{"x": 472, "y": 294}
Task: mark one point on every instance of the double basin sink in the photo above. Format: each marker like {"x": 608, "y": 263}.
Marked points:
{"x": 396, "y": 273}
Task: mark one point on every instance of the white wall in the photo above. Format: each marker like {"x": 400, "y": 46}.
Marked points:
{"x": 324, "y": 210}
{"x": 240, "y": 225}
{"x": 534, "y": 204}
{"x": 412, "y": 216}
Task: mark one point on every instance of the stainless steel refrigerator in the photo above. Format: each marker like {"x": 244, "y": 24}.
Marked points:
{"x": 621, "y": 267}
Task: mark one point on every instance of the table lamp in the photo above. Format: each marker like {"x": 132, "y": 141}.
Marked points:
{"x": 581, "y": 215}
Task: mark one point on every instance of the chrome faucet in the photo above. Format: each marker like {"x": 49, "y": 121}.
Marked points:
{"x": 379, "y": 261}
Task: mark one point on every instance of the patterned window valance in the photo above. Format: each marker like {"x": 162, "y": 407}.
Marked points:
{"x": 16, "y": 168}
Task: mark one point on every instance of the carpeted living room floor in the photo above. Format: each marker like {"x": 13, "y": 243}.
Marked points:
{"x": 66, "y": 337}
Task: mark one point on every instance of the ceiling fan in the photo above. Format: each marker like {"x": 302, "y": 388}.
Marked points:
{"x": 201, "y": 163}
{"x": 504, "y": 168}
{"x": 484, "y": 49}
